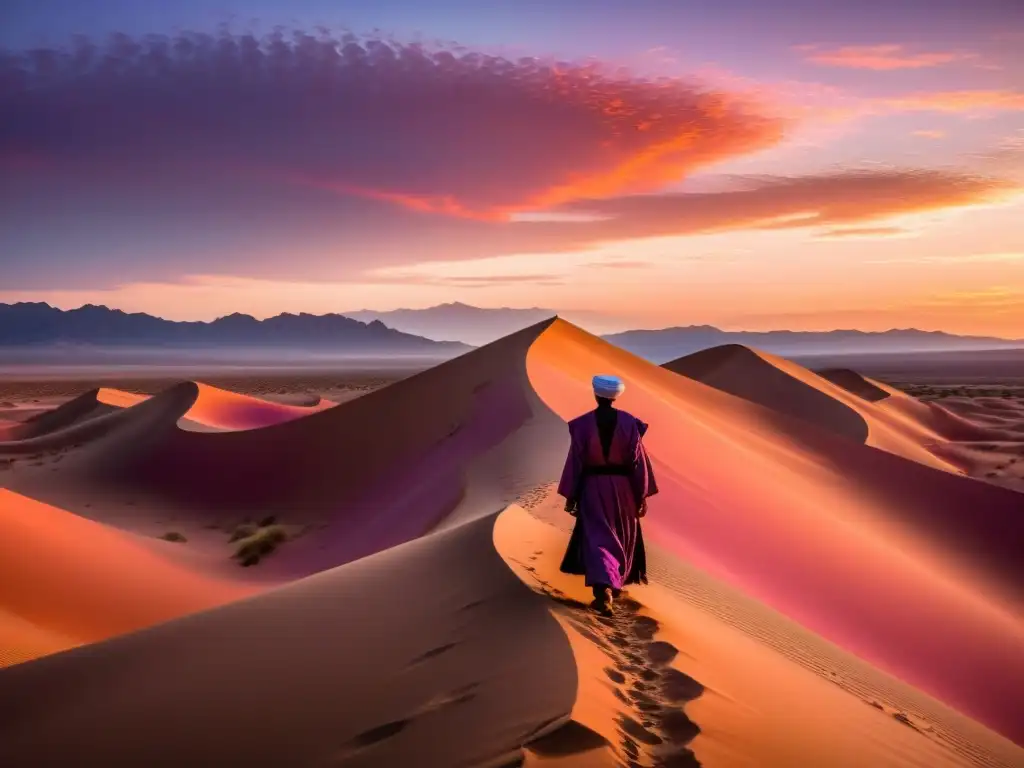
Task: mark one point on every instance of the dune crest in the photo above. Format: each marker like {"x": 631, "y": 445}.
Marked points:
{"x": 839, "y": 401}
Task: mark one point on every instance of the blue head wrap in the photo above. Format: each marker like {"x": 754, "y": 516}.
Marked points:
{"x": 609, "y": 387}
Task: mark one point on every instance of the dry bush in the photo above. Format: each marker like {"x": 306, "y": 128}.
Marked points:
{"x": 261, "y": 543}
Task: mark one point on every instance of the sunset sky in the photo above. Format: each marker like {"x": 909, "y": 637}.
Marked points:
{"x": 740, "y": 163}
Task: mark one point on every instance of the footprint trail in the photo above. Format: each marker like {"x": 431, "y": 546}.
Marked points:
{"x": 653, "y": 728}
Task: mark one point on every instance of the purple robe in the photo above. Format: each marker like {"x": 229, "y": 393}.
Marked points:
{"x": 607, "y": 545}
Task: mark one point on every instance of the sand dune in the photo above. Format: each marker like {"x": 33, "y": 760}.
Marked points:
{"x": 211, "y": 409}
{"x": 475, "y": 670}
{"x": 221, "y": 409}
{"x": 672, "y": 683}
{"x": 86, "y": 406}
{"x": 869, "y": 550}
{"x": 406, "y": 634}
{"x": 65, "y": 580}
{"x": 847, "y": 403}
{"x": 428, "y": 654}
{"x": 376, "y": 471}
{"x": 840, "y": 401}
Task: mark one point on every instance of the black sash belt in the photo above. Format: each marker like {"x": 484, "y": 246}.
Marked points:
{"x": 623, "y": 470}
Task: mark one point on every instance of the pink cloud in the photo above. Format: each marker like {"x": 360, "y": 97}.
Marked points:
{"x": 966, "y": 101}
{"x": 879, "y": 57}
{"x": 434, "y": 130}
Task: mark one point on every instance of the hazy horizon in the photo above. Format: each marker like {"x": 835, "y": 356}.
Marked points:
{"x": 598, "y": 325}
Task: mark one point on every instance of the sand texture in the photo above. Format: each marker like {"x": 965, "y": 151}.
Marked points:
{"x": 197, "y": 576}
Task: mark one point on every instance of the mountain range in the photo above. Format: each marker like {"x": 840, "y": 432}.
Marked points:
{"x": 436, "y": 332}
{"x": 38, "y": 325}
{"x": 477, "y": 325}
{"x": 458, "y": 322}
{"x": 660, "y": 346}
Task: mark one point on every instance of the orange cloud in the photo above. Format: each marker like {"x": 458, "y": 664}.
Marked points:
{"x": 960, "y": 101}
{"x": 879, "y": 57}
{"x": 632, "y": 136}
{"x": 833, "y": 201}
{"x": 865, "y": 233}
{"x": 930, "y": 134}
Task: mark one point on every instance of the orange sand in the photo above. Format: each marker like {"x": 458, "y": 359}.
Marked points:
{"x": 867, "y": 549}
{"x": 756, "y": 707}
{"x": 404, "y": 638}
{"x": 65, "y": 581}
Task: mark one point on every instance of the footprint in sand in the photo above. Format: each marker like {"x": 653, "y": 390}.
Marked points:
{"x": 432, "y": 653}
{"x": 573, "y": 738}
{"x": 654, "y": 730}
{"x": 372, "y": 737}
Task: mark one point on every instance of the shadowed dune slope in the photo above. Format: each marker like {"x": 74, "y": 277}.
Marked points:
{"x": 212, "y": 408}
{"x": 855, "y": 383}
{"x": 452, "y": 442}
{"x": 770, "y": 381}
{"x": 65, "y": 581}
{"x": 88, "y": 405}
{"x": 870, "y": 550}
{"x": 430, "y": 654}
{"x": 839, "y": 401}
{"x": 160, "y": 410}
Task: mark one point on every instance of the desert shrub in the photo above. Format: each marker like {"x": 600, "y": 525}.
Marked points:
{"x": 265, "y": 540}
{"x": 243, "y": 531}
{"x": 174, "y": 536}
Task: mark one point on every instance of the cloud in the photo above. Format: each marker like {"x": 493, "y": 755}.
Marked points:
{"x": 964, "y": 258}
{"x": 865, "y": 233}
{"x": 289, "y": 156}
{"x": 621, "y": 264}
{"x": 928, "y": 134}
{"x": 828, "y": 200}
{"x": 423, "y": 278}
{"x": 434, "y": 130}
{"x": 1001, "y": 299}
{"x": 879, "y": 57}
{"x": 975, "y": 101}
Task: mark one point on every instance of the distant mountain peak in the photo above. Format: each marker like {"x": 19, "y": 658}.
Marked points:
{"x": 34, "y": 325}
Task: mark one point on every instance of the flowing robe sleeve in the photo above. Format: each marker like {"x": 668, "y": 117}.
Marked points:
{"x": 568, "y": 486}
{"x": 643, "y": 480}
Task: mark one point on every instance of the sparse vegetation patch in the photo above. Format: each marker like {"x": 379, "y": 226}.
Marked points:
{"x": 259, "y": 544}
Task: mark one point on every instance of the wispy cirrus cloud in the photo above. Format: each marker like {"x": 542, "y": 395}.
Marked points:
{"x": 621, "y": 264}
{"x": 891, "y": 56}
{"x": 426, "y": 278}
{"x": 1009, "y": 257}
{"x": 965, "y": 101}
{"x": 997, "y": 298}
{"x": 828, "y": 200}
{"x": 866, "y": 233}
